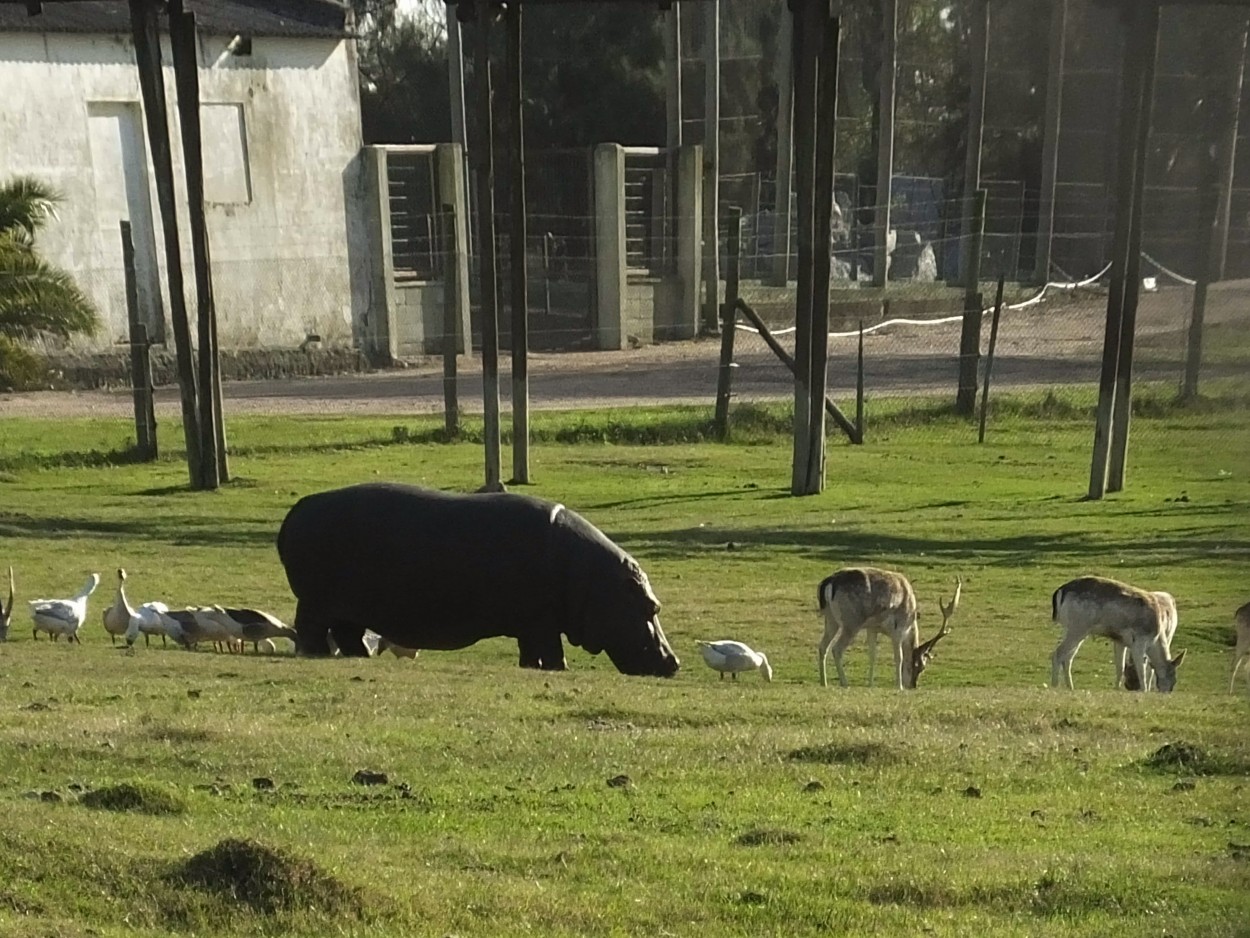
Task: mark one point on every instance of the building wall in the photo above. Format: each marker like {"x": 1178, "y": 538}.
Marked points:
{"x": 284, "y": 180}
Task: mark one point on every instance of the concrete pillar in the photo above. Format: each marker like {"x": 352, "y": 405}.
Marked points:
{"x": 689, "y": 238}
{"x": 449, "y": 164}
{"x": 610, "y": 276}
{"x": 380, "y": 332}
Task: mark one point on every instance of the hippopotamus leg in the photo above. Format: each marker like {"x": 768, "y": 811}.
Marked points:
{"x": 311, "y": 631}
{"x": 544, "y": 651}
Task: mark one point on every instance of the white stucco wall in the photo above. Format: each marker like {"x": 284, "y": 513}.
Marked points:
{"x": 289, "y": 240}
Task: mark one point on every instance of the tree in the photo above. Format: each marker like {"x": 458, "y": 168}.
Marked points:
{"x": 36, "y": 298}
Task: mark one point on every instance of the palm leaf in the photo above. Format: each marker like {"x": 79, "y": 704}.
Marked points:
{"x": 37, "y": 298}
{"x": 26, "y": 204}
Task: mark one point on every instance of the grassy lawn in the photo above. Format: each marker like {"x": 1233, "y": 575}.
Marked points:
{"x": 982, "y": 802}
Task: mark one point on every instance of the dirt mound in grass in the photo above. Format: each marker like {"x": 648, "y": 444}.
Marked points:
{"x": 270, "y": 880}
{"x": 140, "y": 797}
{"x": 847, "y": 754}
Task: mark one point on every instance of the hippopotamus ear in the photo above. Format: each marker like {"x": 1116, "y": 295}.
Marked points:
{"x": 634, "y": 573}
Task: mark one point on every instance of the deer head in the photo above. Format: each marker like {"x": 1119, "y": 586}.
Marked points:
{"x": 6, "y": 612}
{"x": 923, "y": 653}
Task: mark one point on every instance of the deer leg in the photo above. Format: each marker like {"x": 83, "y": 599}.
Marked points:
{"x": 1061, "y": 661}
{"x": 1239, "y": 657}
{"x": 1118, "y": 653}
{"x": 898, "y": 664}
{"x": 1142, "y": 663}
{"x": 872, "y": 656}
{"x": 839, "y": 649}
{"x": 831, "y": 632}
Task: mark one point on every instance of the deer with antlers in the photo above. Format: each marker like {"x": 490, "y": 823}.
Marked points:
{"x": 6, "y": 612}
{"x": 1136, "y": 620}
{"x": 1241, "y": 624}
{"x": 867, "y": 599}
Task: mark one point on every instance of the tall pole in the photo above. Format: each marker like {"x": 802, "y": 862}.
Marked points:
{"x": 885, "y": 136}
{"x": 455, "y": 82}
{"x": 1141, "y": 42}
{"x": 806, "y": 39}
{"x": 711, "y": 164}
{"x": 826, "y": 141}
{"x": 183, "y": 45}
{"x": 520, "y": 286}
{"x": 1050, "y": 139}
{"x": 484, "y": 164}
{"x": 979, "y": 50}
{"x": 672, "y": 76}
{"x": 782, "y": 200}
{"x": 145, "y": 29}
{"x": 1228, "y": 150}
{"x": 1146, "y": 43}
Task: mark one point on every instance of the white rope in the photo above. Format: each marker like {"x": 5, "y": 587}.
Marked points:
{"x": 1171, "y": 273}
{"x": 1031, "y": 301}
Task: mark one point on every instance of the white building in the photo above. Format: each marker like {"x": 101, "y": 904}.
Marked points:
{"x": 282, "y": 151}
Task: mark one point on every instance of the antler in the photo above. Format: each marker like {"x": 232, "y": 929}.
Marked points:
{"x": 949, "y": 610}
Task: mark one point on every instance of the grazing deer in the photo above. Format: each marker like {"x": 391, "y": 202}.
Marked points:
{"x": 868, "y": 599}
{"x": 1127, "y": 671}
{"x": 1241, "y": 623}
{"x": 6, "y": 612}
{"x": 1138, "y": 620}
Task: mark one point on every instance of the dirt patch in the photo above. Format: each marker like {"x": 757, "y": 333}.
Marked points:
{"x": 1193, "y": 760}
{"x": 847, "y": 754}
{"x": 766, "y": 836}
{"x": 139, "y": 797}
{"x": 269, "y": 880}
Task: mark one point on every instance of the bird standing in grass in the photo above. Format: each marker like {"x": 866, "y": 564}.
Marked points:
{"x": 730, "y": 657}
{"x": 65, "y": 617}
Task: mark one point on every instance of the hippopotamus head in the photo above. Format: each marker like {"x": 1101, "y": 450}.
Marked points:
{"x": 627, "y": 627}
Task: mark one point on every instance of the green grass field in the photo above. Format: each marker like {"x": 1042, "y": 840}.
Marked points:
{"x": 983, "y": 802}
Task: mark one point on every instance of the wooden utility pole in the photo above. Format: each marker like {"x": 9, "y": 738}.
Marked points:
{"x": 1214, "y": 189}
{"x": 1050, "y": 139}
{"x": 782, "y": 200}
{"x": 728, "y": 319}
{"x": 672, "y": 78}
{"x": 140, "y": 360}
{"x": 145, "y": 29}
{"x": 451, "y": 320}
{"x": 1140, "y": 50}
{"x": 455, "y": 82}
{"x": 979, "y": 51}
{"x": 483, "y": 158}
{"x": 711, "y": 165}
{"x": 828, "y": 39}
{"x": 520, "y": 284}
{"x": 970, "y": 333}
{"x": 806, "y": 43}
{"x": 182, "y": 42}
{"x": 885, "y": 141}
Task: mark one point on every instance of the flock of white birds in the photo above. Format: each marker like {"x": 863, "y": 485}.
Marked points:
{"x": 225, "y": 628}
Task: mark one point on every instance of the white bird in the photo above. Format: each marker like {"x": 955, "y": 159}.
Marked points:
{"x": 730, "y": 657}
{"x": 251, "y": 625}
{"x": 65, "y": 617}
{"x": 125, "y": 620}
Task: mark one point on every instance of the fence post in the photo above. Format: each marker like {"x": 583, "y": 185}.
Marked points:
{"x": 728, "y": 316}
{"x": 970, "y": 336}
{"x": 989, "y": 358}
{"x": 859, "y": 388}
{"x": 451, "y": 321}
{"x": 140, "y": 370}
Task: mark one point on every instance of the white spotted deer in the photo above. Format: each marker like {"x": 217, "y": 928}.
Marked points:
{"x": 1241, "y": 624}
{"x": 1136, "y": 620}
{"x": 875, "y": 601}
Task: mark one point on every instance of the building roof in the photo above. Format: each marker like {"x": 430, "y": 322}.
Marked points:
{"x": 290, "y": 18}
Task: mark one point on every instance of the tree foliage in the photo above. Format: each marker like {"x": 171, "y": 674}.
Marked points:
{"x": 36, "y": 298}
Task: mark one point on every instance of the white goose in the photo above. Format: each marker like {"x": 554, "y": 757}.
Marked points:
{"x": 6, "y": 612}
{"x": 65, "y": 617}
{"x": 251, "y": 625}
{"x": 730, "y": 657}
{"x": 123, "y": 619}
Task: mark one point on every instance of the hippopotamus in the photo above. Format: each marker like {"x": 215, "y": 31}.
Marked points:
{"x": 438, "y": 570}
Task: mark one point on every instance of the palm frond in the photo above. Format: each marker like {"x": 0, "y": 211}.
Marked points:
{"x": 37, "y": 298}
{"x": 26, "y": 204}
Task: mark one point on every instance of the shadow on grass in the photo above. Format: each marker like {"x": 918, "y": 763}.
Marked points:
{"x": 844, "y": 545}
{"x": 178, "y": 531}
